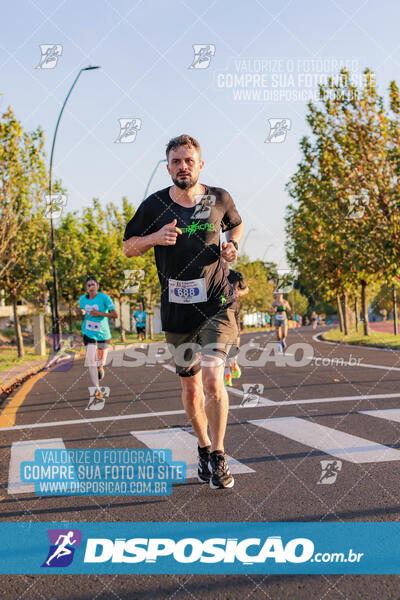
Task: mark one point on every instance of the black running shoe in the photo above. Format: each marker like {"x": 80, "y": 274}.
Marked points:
{"x": 100, "y": 373}
{"x": 220, "y": 475}
{"x": 203, "y": 472}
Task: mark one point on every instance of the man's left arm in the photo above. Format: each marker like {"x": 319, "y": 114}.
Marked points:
{"x": 233, "y": 237}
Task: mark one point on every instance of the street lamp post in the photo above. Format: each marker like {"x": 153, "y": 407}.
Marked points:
{"x": 151, "y": 177}
{"x": 246, "y": 238}
{"x": 54, "y": 304}
{"x": 268, "y": 247}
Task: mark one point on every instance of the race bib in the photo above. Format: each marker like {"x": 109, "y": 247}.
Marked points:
{"x": 279, "y": 317}
{"x": 93, "y": 325}
{"x": 187, "y": 292}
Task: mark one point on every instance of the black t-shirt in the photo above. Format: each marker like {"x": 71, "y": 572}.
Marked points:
{"x": 195, "y": 256}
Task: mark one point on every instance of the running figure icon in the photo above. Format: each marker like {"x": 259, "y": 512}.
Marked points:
{"x": 62, "y": 549}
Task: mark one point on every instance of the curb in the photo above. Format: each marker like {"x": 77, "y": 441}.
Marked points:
{"x": 319, "y": 338}
{"x": 10, "y": 385}
{"x": 7, "y": 387}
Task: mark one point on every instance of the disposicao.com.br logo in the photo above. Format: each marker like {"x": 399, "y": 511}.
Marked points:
{"x": 247, "y": 551}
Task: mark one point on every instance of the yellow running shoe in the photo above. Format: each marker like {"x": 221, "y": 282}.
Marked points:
{"x": 228, "y": 379}
{"x": 236, "y": 370}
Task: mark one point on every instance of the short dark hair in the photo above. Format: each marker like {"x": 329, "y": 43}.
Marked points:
{"x": 91, "y": 278}
{"x": 183, "y": 140}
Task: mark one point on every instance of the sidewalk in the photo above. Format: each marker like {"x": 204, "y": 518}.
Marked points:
{"x": 10, "y": 378}
{"x": 382, "y": 326}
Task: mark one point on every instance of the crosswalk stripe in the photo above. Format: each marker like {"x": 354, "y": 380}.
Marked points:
{"x": 331, "y": 441}
{"x": 184, "y": 447}
{"x": 21, "y": 451}
{"x": 390, "y": 414}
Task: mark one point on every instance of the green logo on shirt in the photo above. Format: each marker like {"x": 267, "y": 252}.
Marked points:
{"x": 193, "y": 227}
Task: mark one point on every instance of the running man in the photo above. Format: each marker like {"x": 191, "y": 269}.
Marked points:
{"x": 62, "y": 549}
{"x": 140, "y": 322}
{"x": 240, "y": 288}
{"x": 97, "y": 308}
{"x": 280, "y": 307}
{"x": 197, "y": 300}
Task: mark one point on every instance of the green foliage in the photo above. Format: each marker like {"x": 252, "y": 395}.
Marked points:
{"x": 258, "y": 276}
{"x": 343, "y": 225}
{"x": 297, "y": 301}
{"x": 24, "y": 229}
{"x": 384, "y": 300}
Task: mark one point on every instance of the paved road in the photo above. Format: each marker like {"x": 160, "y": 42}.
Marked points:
{"x": 334, "y": 407}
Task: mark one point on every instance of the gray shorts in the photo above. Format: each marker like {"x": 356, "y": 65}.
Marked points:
{"x": 279, "y": 323}
{"x": 214, "y": 337}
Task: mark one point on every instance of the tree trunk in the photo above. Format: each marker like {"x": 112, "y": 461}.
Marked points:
{"x": 356, "y": 312}
{"x": 70, "y": 316}
{"x": 151, "y": 313}
{"x": 364, "y": 308}
{"x": 121, "y": 326}
{"x": 340, "y": 312}
{"x": 17, "y": 327}
{"x": 52, "y": 313}
{"x": 345, "y": 320}
{"x": 394, "y": 310}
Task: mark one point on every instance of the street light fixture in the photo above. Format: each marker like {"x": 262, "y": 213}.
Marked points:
{"x": 152, "y": 175}
{"x": 246, "y": 238}
{"x": 268, "y": 247}
{"x": 54, "y": 304}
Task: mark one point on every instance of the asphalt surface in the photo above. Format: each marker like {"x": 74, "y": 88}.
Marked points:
{"x": 283, "y": 482}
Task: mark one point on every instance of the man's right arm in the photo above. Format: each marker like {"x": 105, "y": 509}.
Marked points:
{"x": 138, "y": 245}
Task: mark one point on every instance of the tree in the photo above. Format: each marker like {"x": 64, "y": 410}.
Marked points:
{"x": 341, "y": 229}
{"x": 24, "y": 230}
{"x": 258, "y": 276}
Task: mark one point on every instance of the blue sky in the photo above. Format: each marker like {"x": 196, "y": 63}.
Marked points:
{"x": 145, "y": 50}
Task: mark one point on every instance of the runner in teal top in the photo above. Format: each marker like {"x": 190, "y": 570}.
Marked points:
{"x": 96, "y": 327}
{"x": 140, "y": 321}
{"x": 98, "y": 308}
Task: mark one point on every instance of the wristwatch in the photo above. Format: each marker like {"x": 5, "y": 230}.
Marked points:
{"x": 234, "y": 243}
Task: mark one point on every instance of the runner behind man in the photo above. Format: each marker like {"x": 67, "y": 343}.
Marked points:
{"x": 240, "y": 288}
{"x": 280, "y": 307}
{"x": 314, "y": 319}
{"x": 183, "y": 224}
{"x": 140, "y": 322}
{"x": 98, "y": 308}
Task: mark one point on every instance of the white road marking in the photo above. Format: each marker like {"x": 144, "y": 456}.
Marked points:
{"x": 331, "y": 441}
{"x": 335, "y": 399}
{"x": 262, "y": 401}
{"x": 167, "y": 413}
{"x": 346, "y": 364}
{"x": 390, "y": 414}
{"x": 184, "y": 447}
{"x": 21, "y": 451}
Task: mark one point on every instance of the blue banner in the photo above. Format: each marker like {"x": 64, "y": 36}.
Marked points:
{"x": 200, "y": 548}
{"x": 102, "y": 472}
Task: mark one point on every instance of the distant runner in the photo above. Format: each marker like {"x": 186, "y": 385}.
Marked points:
{"x": 140, "y": 322}
{"x": 314, "y": 319}
{"x": 98, "y": 308}
{"x": 183, "y": 224}
{"x": 280, "y": 307}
